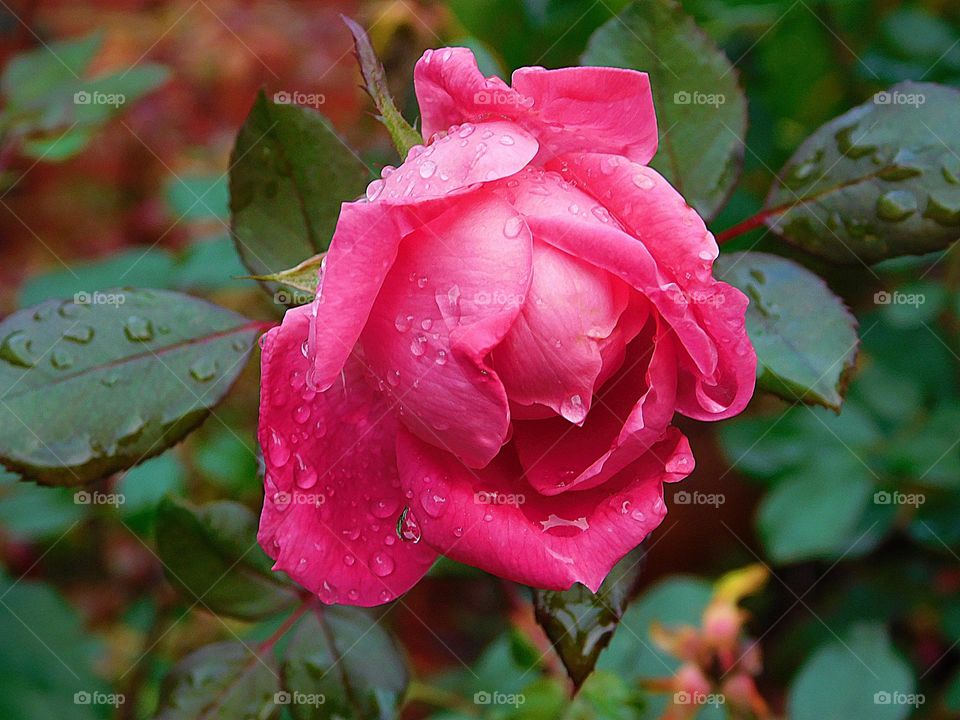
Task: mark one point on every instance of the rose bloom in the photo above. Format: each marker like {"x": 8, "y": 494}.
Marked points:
{"x": 504, "y": 329}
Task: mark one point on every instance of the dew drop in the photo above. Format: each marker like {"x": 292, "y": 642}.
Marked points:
{"x": 506, "y": 140}
{"x": 81, "y": 334}
{"x": 381, "y": 564}
{"x": 418, "y": 345}
{"x": 374, "y": 189}
{"x": 402, "y": 323}
{"x": 427, "y": 169}
{"x": 408, "y": 527}
{"x": 301, "y": 414}
{"x": 61, "y": 359}
{"x": 433, "y": 503}
{"x": 305, "y": 476}
{"x": 138, "y": 329}
{"x": 642, "y": 181}
{"x": 513, "y": 226}
{"x": 204, "y": 369}
{"x": 278, "y": 451}
{"x": 16, "y": 349}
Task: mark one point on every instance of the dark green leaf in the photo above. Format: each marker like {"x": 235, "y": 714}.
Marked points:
{"x": 701, "y": 110}
{"x": 805, "y": 337}
{"x": 815, "y": 513}
{"x": 47, "y": 658}
{"x": 211, "y": 554}
{"x": 858, "y": 678}
{"x": 343, "y": 655}
{"x": 224, "y": 681}
{"x": 581, "y": 624}
{"x": 289, "y": 174}
{"x": 98, "y": 384}
{"x": 879, "y": 181}
{"x": 375, "y": 79}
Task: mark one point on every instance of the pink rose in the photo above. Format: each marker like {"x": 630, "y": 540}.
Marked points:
{"x": 506, "y": 325}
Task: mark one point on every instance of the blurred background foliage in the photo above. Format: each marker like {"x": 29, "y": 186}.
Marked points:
{"x": 136, "y": 195}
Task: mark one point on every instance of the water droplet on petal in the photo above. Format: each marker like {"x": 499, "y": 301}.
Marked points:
{"x": 427, "y": 169}
{"x": 374, "y": 189}
{"x": 433, "y": 503}
{"x": 381, "y": 564}
{"x": 278, "y": 451}
{"x": 408, "y": 527}
{"x": 642, "y": 181}
{"x": 513, "y": 226}
{"x": 506, "y": 140}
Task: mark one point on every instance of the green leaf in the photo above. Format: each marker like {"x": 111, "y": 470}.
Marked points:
{"x": 805, "y": 337}
{"x": 95, "y": 385}
{"x": 879, "y": 181}
{"x": 209, "y": 264}
{"x": 46, "y": 657}
{"x": 223, "y": 681}
{"x": 701, "y": 110}
{"x": 375, "y": 79}
{"x": 343, "y": 655}
{"x": 211, "y": 554}
{"x": 303, "y": 279}
{"x": 289, "y": 174}
{"x": 673, "y": 602}
{"x": 815, "y": 513}
{"x": 35, "y": 73}
{"x": 858, "y": 678}
{"x": 580, "y": 624}
{"x": 32, "y": 512}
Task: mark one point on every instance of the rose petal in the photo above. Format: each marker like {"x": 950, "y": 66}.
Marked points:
{"x": 631, "y": 414}
{"x": 483, "y": 519}
{"x": 594, "y": 109}
{"x": 368, "y": 232}
{"x": 718, "y": 377}
{"x": 552, "y": 355}
{"x": 454, "y": 291}
{"x": 473, "y": 153}
{"x": 332, "y": 491}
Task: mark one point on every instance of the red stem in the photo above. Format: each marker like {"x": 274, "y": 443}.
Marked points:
{"x": 287, "y": 624}
{"x": 746, "y": 225}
